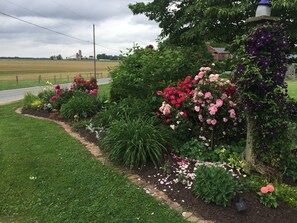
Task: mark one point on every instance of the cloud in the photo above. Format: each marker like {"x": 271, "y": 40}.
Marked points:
{"x": 116, "y": 27}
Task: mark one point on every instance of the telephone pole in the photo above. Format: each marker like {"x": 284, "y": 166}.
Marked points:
{"x": 94, "y": 44}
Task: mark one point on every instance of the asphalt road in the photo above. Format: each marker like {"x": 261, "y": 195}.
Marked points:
{"x": 8, "y": 96}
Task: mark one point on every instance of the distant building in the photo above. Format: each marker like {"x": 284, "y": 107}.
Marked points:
{"x": 78, "y": 55}
{"x": 219, "y": 54}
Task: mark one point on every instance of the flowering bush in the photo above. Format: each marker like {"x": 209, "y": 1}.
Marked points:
{"x": 203, "y": 105}
{"x": 260, "y": 78}
{"x": 268, "y": 196}
{"x": 62, "y": 96}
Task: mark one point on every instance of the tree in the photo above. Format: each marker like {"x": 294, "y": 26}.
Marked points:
{"x": 190, "y": 22}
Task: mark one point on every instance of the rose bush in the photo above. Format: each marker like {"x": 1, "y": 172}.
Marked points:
{"x": 203, "y": 107}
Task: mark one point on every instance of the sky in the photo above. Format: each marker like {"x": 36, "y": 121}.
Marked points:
{"x": 117, "y": 29}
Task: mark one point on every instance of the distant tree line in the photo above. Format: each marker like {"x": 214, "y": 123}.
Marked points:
{"x": 59, "y": 57}
{"x": 103, "y": 56}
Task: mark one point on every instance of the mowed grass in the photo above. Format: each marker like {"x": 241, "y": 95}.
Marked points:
{"x": 292, "y": 89}
{"x": 47, "y": 176}
{"x": 36, "y": 72}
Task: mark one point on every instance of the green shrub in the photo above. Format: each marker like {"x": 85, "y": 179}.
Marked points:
{"x": 128, "y": 107}
{"x": 214, "y": 184}
{"x": 31, "y": 100}
{"x": 46, "y": 95}
{"x": 288, "y": 194}
{"x": 144, "y": 71}
{"x": 134, "y": 142}
{"x": 82, "y": 105}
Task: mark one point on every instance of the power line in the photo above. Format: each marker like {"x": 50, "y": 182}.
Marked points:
{"x": 20, "y": 6}
{"x": 42, "y": 27}
{"x": 57, "y": 32}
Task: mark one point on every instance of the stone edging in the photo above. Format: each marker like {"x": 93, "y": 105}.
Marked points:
{"x": 134, "y": 178}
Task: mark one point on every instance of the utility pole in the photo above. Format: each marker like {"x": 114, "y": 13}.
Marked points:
{"x": 94, "y": 43}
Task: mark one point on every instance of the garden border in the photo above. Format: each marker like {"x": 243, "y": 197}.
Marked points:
{"x": 134, "y": 178}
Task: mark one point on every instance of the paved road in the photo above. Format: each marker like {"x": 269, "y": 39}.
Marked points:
{"x": 8, "y": 96}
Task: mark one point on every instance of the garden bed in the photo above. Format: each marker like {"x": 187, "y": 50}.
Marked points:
{"x": 256, "y": 212}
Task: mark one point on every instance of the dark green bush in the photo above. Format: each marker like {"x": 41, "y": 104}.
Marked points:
{"x": 214, "y": 185}
{"x": 144, "y": 71}
{"x": 126, "y": 108}
{"x": 81, "y": 104}
{"x": 134, "y": 142}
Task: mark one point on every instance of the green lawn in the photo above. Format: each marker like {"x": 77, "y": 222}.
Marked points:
{"x": 47, "y": 176}
{"x": 292, "y": 87}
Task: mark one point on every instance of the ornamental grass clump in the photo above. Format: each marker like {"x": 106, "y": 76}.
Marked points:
{"x": 134, "y": 142}
{"x": 214, "y": 185}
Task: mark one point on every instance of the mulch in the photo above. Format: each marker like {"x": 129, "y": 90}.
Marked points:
{"x": 255, "y": 213}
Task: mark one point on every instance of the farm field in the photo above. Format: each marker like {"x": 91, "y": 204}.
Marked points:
{"x": 28, "y": 73}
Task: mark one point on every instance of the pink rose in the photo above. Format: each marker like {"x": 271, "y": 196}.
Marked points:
{"x": 207, "y": 95}
{"x": 213, "y": 122}
{"x": 200, "y": 117}
{"x": 208, "y": 121}
{"x": 213, "y": 77}
{"x": 199, "y": 76}
{"x": 213, "y": 110}
{"x": 225, "y": 120}
{"x": 57, "y": 87}
{"x": 219, "y": 103}
{"x": 197, "y": 108}
{"x": 205, "y": 69}
{"x": 159, "y": 92}
{"x": 231, "y": 103}
{"x": 264, "y": 190}
{"x": 270, "y": 188}
{"x": 224, "y": 96}
{"x": 200, "y": 94}
{"x": 232, "y": 113}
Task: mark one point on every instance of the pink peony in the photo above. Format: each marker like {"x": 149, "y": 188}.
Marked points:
{"x": 270, "y": 188}
{"x": 57, "y": 87}
{"x": 264, "y": 190}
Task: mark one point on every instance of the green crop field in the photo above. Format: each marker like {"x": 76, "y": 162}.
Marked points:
{"x": 28, "y": 73}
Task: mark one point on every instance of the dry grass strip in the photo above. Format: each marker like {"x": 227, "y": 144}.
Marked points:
{"x": 96, "y": 152}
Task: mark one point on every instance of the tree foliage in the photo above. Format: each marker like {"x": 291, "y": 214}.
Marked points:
{"x": 187, "y": 22}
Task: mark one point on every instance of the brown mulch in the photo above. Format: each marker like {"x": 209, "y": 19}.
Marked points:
{"x": 256, "y": 212}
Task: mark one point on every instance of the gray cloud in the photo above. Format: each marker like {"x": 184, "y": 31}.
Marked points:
{"x": 116, "y": 27}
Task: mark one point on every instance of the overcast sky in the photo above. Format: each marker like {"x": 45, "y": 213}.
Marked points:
{"x": 116, "y": 27}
